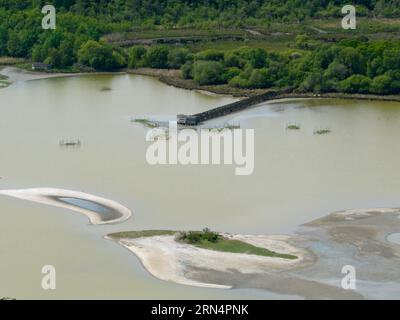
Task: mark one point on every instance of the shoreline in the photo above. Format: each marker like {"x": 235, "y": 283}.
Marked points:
{"x": 168, "y": 260}
{"x": 15, "y": 74}
{"x": 68, "y": 199}
{"x": 356, "y": 237}
{"x": 146, "y": 262}
{"x": 171, "y": 77}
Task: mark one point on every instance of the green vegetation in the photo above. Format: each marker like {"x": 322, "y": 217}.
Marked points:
{"x": 4, "y": 82}
{"x": 207, "y": 72}
{"x": 322, "y": 131}
{"x": 197, "y": 237}
{"x": 141, "y": 234}
{"x": 237, "y": 246}
{"x": 356, "y": 66}
{"x": 259, "y": 44}
{"x": 293, "y": 126}
{"x": 208, "y": 239}
{"x": 145, "y": 122}
{"x": 201, "y": 14}
{"x": 99, "y": 56}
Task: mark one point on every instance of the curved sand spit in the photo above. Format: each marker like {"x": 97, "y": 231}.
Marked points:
{"x": 111, "y": 211}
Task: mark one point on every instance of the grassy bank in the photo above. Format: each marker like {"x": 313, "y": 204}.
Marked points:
{"x": 4, "y": 82}
{"x": 10, "y": 61}
{"x": 237, "y": 246}
{"x": 206, "y": 240}
{"x": 27, "y": 66}
{"x": 173, "y": 78}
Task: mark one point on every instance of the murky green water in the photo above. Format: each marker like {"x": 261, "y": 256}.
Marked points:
{"x": 298, "y": 176}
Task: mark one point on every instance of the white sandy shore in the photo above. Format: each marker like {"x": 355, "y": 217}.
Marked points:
{"x": 45, "y": 196}
{"x": 167, "y": 259}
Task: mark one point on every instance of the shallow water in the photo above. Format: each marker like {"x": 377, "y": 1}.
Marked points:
{"x": 298, "y": 177}
{"x": 106, "y": 213}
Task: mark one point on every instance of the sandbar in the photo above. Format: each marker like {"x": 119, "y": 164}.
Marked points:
{"x": 99, "y": 210}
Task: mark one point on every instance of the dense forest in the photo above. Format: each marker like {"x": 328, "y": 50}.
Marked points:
{"x": 357, "y": 65}
{"x": 186, "y": 12}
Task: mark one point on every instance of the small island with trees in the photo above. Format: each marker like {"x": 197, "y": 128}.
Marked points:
{"x": 206, "y": 239}
{"x": 177, "y": 256}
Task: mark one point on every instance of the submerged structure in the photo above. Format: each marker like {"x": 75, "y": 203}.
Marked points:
{"x": 70, "y": 142}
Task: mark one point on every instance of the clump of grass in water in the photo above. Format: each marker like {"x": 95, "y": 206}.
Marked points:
{"x": 145, "y": 122}
{"x": 293, "y": 126}
{"x": 232, "y": 126}
{"x": 4, "y": 82}
{"x": 228, "y": 127}
{"x": 322, "y": 131}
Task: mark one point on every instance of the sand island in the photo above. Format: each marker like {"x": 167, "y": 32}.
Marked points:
{"x": 306, "y": 264}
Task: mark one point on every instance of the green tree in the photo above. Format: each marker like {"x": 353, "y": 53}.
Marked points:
{"x": 355, "y": 84}
{"x": 87, "y": 52}
{"x": 352, "y": 59}
{"x": 100, "y": 56}
{"x": 381, "y": 84}
{"x": 187, "y": 70}
{"x": 207, "y": 72}
{"x": 3, "y": 41}
{"x": 232, "y": 59}
{"x": 178, "y": 57}
{"x": 16, "y": 46}
{"x": 313, "y": 82}
{"x": 258, "y": 58}
{"x": 337, "y": 71}
{"x": 230, "y": 73}
{"x": 136, "y": 56}
{"x": 259, "y": 79}
{"x": 210, "y": 55}
{"x": 157, "y": 57}
{"x": 239, "y": 82}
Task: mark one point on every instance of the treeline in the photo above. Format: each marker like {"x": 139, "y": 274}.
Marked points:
{"x": 352, "y": 66}
{"x": 349, "y": 66}
{"x": 203, "y": 12}
{"x": 79, "y": 21}
{"x": 21, "y": 35}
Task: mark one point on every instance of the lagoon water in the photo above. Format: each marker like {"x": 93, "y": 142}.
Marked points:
{"x": 298, "y": 177}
